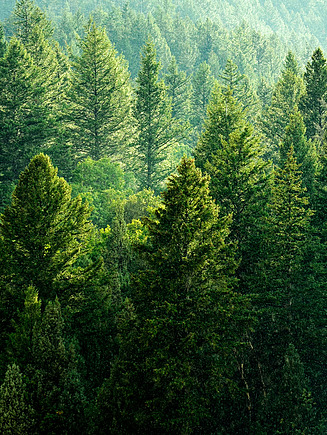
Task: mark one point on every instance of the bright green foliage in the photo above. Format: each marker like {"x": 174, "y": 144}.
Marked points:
{"x": 240, "y": 86}
{"x": 286, "y": 95}
{"x": 99, "y": 98}
{"x": 16, "y": 416}
{"x": 176, "y": 357}
{"x": 157, "y": 131}
{"x": 313, "y": 102}
{"x": 179, "y": 90}
{"x": 304, "y": 150}
{"x": 27, "y": 18}
{"x": 25, "y": 124}
{"x": 203, "y": 83}
{"x": 224, "y": 116}
{"x": 44, "y": 232}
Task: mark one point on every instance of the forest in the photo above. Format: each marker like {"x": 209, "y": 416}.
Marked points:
{"x": 163, "y": 217}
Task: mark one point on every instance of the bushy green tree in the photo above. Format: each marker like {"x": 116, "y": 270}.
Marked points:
{"x": 177, "y": 355}
{"x": 43, "y": 233}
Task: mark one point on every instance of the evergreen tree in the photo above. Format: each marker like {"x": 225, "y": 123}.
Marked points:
{"x": 286, "y": 96}
{"x": 176, "y": 358}
{"x": 203, "y": 83}
{"x": 99, "y": 98}
{"x": 240, "y": 86}
{"x": 25, "y": 122}
{"x": 16, "y": 416}
{"x": 313, "y": 102}
{"x": 224, "y": 116}
{"x": 179, "y": 90}
{"x": 44, "y": 232}
{"x": 304, "y": 150}
{"x": 157, "y": 131}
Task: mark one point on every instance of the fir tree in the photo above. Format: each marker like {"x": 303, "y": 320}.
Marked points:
{"x": 157, "y": 131}
{"x": 177, "y": 356}
{"x": 25, "y": 121}
{"x": 44, "y": 232}
{"x": 99, "y": 98}
{"x": 313, "y": 102}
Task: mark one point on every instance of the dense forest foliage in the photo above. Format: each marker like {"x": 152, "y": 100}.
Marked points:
{"x": 163, "y": 226}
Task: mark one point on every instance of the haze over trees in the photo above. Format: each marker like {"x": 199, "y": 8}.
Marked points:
{"x": 163, "y": 179}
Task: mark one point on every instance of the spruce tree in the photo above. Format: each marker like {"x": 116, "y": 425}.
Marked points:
{"x": 99, "y": 98}
{"x": 286, "y": 96}
{"x": 44, "y": 232}
{"x": 157, "y": 131}
{"x": 304, "y": 150}
{"x": 176, "y": 356}
{"x": 313, "y": 102}
{"x": 25, "y": 121}
{"x": 224, "y": 116}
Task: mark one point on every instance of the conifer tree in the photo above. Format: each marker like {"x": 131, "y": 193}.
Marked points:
{"x": 16, "y": 415}
{"x": 44, "y": 232}
{"x": 179, "y": 90}
{"x": 286, "y": 96}
{"x": 203, "y": 83}
{"x": 304, "y": 150}
{"x": 25, "y": 121}
{"x": 99, "y": 98}
{"x": 224, "y": 116}
{"x": 313, "y": 102}
{"x": 177, "y": 356}
{"x": 2, "y": 41}
{"x": 157, "y": 131}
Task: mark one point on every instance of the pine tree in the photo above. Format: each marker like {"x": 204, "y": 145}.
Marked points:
{"x": 177, "y": 357}
{"x": 240, "y": 87}
{"x": 16, "y": 416}
{"x": 44, "y": 232}
{"x": 203, "y": 83}
{"x": 157, "y": 131}
{"x": 286, "y": 96}
{"x": 223, "y": 117}
{"x": 304, "y": 150}
{"x": 25, "y": 122}
{"x": 292, "y": 299}
{"x": 2, "y": 41}
{"x": 313, "y": 102}
{"x": 179, "y": 90}
{"x": 99, "y": 98}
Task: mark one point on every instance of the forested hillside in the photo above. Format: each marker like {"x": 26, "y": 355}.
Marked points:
{"x": 163, "y": 217}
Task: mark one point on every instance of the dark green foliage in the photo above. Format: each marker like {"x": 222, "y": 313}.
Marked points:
{"x": 313, "y": 102}
{"x": 99, "y": 98}
{"x": 44, "y": 232}
{"x": 176, "y": 358}
{"x": 304, "y": 150}
{"x": 16, "y": 415}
